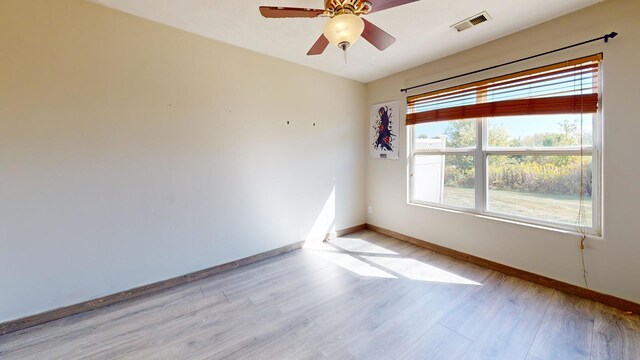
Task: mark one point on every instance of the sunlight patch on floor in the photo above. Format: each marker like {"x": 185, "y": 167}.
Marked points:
{"x": 417, "y": 270}
{"x": 359, "y": 245}
{"x": 348, "y": 262}
{"x": 366, "y": 259}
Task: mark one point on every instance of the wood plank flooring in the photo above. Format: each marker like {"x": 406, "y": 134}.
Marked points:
{"x": 361, "y": 296}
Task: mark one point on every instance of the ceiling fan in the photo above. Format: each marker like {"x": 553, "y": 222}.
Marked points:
{"x": 345, "y": 24}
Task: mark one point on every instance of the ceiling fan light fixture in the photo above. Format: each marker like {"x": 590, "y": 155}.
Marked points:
{"x": 343, "y": 30}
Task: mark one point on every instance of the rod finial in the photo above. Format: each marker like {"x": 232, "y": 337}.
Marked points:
{"x": 611, "y": 35}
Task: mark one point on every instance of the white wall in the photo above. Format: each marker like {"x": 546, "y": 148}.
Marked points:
{"x": 612, "y": 260}
{"x": 131, "y": 152}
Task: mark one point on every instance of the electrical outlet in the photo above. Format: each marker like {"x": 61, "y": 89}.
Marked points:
{"x": 370, "y": 210}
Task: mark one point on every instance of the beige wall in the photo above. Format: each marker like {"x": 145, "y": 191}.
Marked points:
{"x": 611, "y": 260}
{"x": 131, "y": 152}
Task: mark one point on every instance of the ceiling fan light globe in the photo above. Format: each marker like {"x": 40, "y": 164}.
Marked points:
{"x": 343, "y": 28}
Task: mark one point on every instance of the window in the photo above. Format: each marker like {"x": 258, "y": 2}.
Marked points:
{"x": 524, "y": 146}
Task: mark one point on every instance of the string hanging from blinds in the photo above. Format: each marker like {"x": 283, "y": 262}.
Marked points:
{"x": 566, "y": 87}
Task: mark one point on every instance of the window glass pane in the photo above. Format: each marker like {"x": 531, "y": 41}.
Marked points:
{"x": 445, "y": 135}
{"x": 541, "y": 187}
{"x": 541, "y": 130}
{"x": 444, "y": 179}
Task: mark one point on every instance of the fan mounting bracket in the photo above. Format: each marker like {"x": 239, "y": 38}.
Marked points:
{"x": 338, "y": 7}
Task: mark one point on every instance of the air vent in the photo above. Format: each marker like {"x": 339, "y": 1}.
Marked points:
{"x": 472, "y": 21}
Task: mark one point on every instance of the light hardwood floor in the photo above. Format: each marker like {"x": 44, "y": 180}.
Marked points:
{"x": 362, "y": 296}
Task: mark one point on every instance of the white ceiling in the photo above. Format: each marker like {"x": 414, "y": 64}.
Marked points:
{"x": 422, "y": 29}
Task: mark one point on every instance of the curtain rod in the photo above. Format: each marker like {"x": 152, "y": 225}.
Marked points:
{"x": 604, "y": 37}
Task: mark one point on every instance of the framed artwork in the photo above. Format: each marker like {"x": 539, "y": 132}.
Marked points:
{"x": 383, "y": 130}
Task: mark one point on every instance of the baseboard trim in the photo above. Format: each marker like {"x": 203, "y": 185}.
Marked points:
{"x": 350, "y": 230}
{"x": 55, "y": 314}
{"x": 37, "y": 319}
{"x": 606, "y": 299}
{"x": 334, "y": 234}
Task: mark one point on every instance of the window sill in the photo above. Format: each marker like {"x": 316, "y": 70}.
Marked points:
{"x": 558, "y": 228}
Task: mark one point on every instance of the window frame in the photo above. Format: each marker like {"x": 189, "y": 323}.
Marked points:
{"x": 481, "y": 154}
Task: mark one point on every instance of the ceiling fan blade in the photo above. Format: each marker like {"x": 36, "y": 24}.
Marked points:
{"x": 376, "y": 36}
{"x": 379, "y": 5}
{"x": 319, "y": 46}
{"x": 288, "y": 12}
